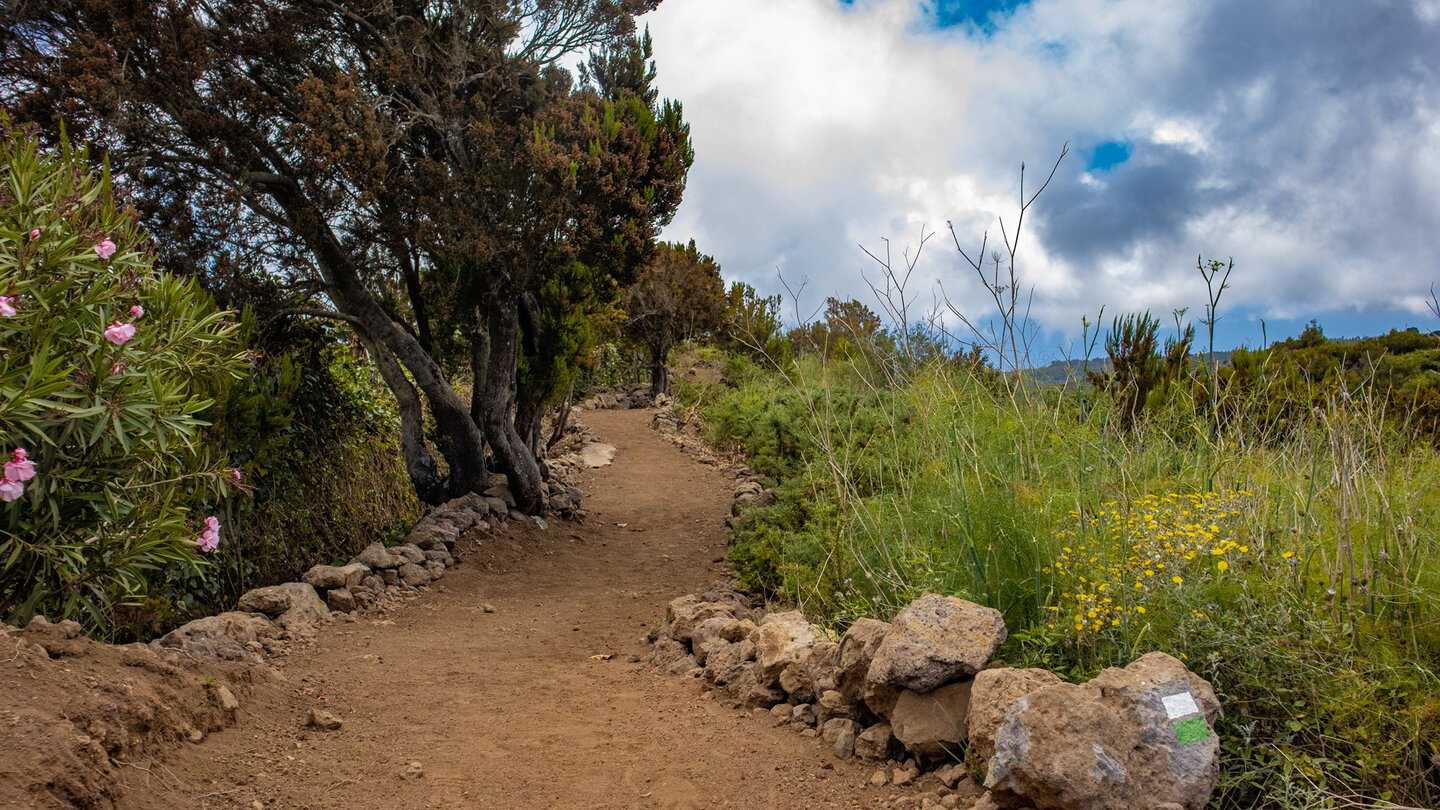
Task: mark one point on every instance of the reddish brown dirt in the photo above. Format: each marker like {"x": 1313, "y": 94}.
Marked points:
{"x": 508, "y": 709}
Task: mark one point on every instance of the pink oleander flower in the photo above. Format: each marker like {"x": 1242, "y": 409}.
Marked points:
{"x": 10, "y": 489}
{"x": 119, "y": 333}
{"x": 236, "y": 475}
{"x": 105, "y": 249}
{"x": 35, "y": 234}
{"x": 19, "y": 454}
{"x": 20, "y": 470}
{"x": 137, "y": 311}
{"x": 210, "y": 538}
{"x": 115, "y": 368}
{"x": 7, "y": 305}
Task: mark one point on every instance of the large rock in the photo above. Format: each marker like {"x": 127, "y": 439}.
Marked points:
{"x": 795, "y": 680}
{"x": 503, "y": 493}
{"x": 497, "y": 507}
{"x": 857, "y": 649}
{"x": 377, "y": 558}
{"x": 782, "y": 638}
{"x": 932, "y": 724}
{"x": 991, "y": 694}
{"x": 341, "y": 600}
{"x": 685, "y": 613}
{"x": 596, "y": 455}
{"x": 410, "y": 552}
{"x": 227, "y": 636}
{"x": 935, "y": 640}
{"x": 293, "y": 605}
{"x": 327, "y": 577}
{"x": 840, "y": 734}
{"x": 1131, "y": 739}
{"x": 464, "y": 511}
{"x": 434, "y": 535}
{"x": 241, "y": 627}
{"x": 835, "y": 704}
{"x": 880, "y": 698}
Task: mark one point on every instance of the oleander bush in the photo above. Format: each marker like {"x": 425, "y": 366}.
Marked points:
{"x": 106, "y": 373}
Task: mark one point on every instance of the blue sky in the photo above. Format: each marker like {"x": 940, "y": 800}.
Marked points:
{"x": 1301, "y": 138}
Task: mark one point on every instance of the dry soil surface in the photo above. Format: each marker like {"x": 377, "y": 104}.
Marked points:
{"x": 509, "y": 709}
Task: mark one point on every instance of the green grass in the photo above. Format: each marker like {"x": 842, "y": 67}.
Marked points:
{"x": 1322, "y": 635}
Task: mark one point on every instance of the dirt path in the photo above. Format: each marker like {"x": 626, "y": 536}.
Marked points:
{"x": 506, "y": 709}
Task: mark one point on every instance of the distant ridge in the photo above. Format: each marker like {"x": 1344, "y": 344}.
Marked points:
{"x": 1060, "y": 372}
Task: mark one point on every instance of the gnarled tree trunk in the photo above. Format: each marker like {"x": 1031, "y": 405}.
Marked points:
{"x": 463, "y": 444}
{"x": 419, "y": 464}
{"x": 496, "y": 393}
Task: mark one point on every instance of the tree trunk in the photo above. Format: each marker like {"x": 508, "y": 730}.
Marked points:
{"x": 512, "y": 456}
{"x": 527, "y": 426}
{"x": 419, "y": 464}
{"x": 562, "y": 417}
{"x": 463, "y": 443}
{"x": 659, "y": 374}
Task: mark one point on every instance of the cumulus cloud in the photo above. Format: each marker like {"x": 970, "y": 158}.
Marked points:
{"x": 1302, "y": 138}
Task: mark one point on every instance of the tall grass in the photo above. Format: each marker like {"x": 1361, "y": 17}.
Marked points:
{"x": 1309, "y": 600}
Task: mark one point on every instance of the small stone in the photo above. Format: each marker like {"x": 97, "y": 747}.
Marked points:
{"x": 323, "y": 720}
{"x": 413, "y": 771}
{"x": 377, "y": 557}
{"x": 901, "y": 778}
{"x": 413, "y": 575}
{"x": 780, "y": 713}
{"x": 411, "y": 553}
{"x": 803, "y": 715}
{"x": 226, "y": 699}
{"x": 195, "y": 735}
{"x": 341, "y": 599}
{"x": 488, "y": 608}
{"x": 879, "y": 778}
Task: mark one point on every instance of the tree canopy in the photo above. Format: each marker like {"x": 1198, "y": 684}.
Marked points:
{"x": 422, "y": 171}
{"x": 678, "y": 296}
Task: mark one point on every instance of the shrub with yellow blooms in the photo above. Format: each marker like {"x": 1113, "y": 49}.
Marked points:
{"x": 1119, "y": 559}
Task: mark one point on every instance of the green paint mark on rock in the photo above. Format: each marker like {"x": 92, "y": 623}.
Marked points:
{"x": 1192, "y": 730}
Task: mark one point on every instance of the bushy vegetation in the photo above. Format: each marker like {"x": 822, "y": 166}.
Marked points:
{"x": 1291, "y": 562}
{"x": 166, "y": 455}
{"x": 105, "y": 372}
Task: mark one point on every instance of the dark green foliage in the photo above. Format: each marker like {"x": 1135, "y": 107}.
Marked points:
{"x": 679, "y": 296}
{"x": 312, "y": 431}
{"x": 1139, "y": 376}
{"x": 752, "y": 324}
{"x": 848, "y": 329}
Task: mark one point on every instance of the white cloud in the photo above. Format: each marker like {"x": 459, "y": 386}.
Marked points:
{"x": 1306, "y": 146}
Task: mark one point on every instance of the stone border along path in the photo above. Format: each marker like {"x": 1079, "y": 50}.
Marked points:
{"x": 519, "y": 679}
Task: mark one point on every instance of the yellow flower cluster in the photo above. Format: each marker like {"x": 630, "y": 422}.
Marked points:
{"x": 1118, "y": 557}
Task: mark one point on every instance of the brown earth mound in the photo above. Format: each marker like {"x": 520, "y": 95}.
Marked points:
{"x": 76, "y": 713}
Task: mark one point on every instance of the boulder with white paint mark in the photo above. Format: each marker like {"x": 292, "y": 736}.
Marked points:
{"x": 1130, "y": 739}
